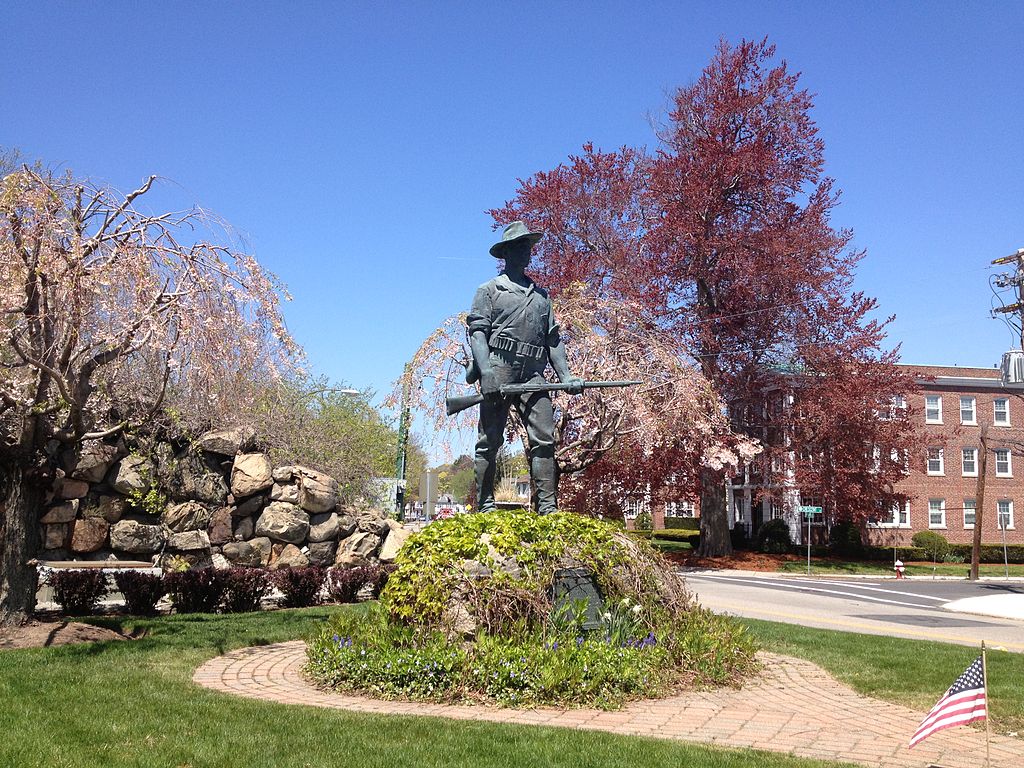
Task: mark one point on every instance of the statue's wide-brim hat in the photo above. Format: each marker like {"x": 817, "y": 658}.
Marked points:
{"x": 517, "y": 230}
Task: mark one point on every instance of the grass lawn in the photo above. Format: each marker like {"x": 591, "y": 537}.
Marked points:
{"x": 820, "y": 566}
{"x": 133, "y": 704}
{"x": 914, "y": 673}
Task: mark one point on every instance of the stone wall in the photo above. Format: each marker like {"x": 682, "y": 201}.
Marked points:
{"x": 215, "y": 501}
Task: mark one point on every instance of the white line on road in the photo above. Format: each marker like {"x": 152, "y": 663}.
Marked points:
{"x": 803, "y": 588}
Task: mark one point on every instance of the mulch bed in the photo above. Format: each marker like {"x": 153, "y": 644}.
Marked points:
{"x": 45, "y": 634}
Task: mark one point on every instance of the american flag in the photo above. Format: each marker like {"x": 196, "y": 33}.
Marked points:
{"x": 963, "y": 703}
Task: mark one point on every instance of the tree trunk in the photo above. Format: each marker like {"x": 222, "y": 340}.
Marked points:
{"x": 19, "y": 498}
{"x": 715, "y": 540}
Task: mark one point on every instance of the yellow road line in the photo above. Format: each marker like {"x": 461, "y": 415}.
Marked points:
{"x": 746, "y": 610}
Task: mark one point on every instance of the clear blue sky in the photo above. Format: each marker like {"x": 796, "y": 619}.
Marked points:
{"x": 358, "y": 144}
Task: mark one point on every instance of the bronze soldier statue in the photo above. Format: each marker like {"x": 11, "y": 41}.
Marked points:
{"x": 513, "y": 336}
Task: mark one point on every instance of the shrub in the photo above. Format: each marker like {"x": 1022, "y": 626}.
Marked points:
{"x": 933, "y": 543}
{"x": 197, "y": 590}
{"x": 682, "y": 535}
{"x": 244, "y": 588}
{"x": 141, "y": 591}
{"x": 78, "y": 592}
{"x": 845, "y": 540}
{"x": 302, "y": 587}
{"x": 773, "y": 537}
{"x": 376, "y": 575}
{"x": 343, "y": 584}
{"x": 991, "y": 553}
{"x": 643, "y": 521}
{"x": 686, "y": 523}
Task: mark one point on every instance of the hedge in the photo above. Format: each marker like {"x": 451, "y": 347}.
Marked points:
{"x": 678, "y": 534}
{"x": 686, "y": 523}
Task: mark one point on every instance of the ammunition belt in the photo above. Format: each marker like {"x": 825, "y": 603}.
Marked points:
{"x": 518, "y": 348}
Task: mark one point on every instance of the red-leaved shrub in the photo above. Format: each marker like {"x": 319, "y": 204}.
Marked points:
{"x": 244, "y": 588}
{"x": 78, "y": 591}
{"x": 301, "y": 587}
{"x": 197, "y": 590}
{"x": 141, "y": 591}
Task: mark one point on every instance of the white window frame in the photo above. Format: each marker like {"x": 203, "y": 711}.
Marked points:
{"x": 974, "y": 512}
{"x": 1009, "y": 515}
{"x": 941, "y": 510}
{"x": 995, "y": 413}
{"x": 1009, "y": 463}
{"x": 937, "y": 419}
{"x": 973, "y": 460}
{"x": 973, "y": 402}
{"x": 928, "y": 463}
{"x": 898, "y": 517}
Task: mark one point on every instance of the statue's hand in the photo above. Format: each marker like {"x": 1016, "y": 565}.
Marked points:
{"x": 575, "y": 385}
{"x": 489, "y": 386}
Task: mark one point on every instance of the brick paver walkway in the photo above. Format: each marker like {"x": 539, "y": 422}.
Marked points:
{"x": 794, "y": 707}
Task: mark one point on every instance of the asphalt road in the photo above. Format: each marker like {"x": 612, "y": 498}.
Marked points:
{"x": 910, "y": 608}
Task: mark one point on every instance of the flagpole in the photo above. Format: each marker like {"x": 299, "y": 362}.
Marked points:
{"x": 988, "y": 727}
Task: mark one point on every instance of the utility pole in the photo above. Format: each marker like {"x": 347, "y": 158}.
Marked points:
{"x": 1016, "y": 280}
{"x": 979, "y": 503}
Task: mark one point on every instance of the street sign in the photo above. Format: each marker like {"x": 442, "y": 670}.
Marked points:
{"x": 810, "y": 511}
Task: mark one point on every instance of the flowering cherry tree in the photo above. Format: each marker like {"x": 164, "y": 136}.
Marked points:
{"x": 106, "y": 313}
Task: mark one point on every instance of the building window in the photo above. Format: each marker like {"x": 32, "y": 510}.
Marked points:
{"x": 935, "y": 462}
{"x": 1001, "y": 412}
{"x": 967, "y": 411}
{"x": 1004, "y": 464}
{"x": 1005, "y": 509}
{"x": 897, "y": 516}
{"x": 933, "y": 409}
{"x": 970, "y": 507}
{"x": 970, "y": 462}
{"x": 936, "y": 513}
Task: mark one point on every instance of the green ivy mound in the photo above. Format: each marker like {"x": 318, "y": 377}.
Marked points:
{"x": 470, "y": 614}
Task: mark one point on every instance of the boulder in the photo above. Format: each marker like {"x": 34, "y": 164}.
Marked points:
{"x": 323, "y": 527}
{"x": 264, "y": 546}
{"x": 133, "y": 474}
{"x": 243, "y": 553}
{"x": 55, "y": 536}
{"x": 73, "y": 489}
{"x": 250, "y": 506}
{"x": 397, "y": 536}
{"x": 135, "y": 537}
{"x": 193, "y": 476}
{"x": 220, "y": 562}
{"x": 227, "y": 442}
{"x": 372, "y": 521}
{"x": 245, "y": 529}
{"x": 250, "y": 473}
{"x": 62, "y": 513}
{"x": 94, "y": 462}
{"x": 290, "y": 557}
{"x": 188, "y": 516}
{"x": 347, "y": 525}
{"x": 317, "y": 492}
{"x": 110, "y": 508}
{"x": 189, "y": 540}
{"x": 89, "y": 534}
{"x": 322, "y": 553}
{"x": 289, "y": 493}
{"x": 283, "y": 522}
{"x": 220, "y": 526}
{"x": 357, "y": 549}
{"x": 284, "y": 475}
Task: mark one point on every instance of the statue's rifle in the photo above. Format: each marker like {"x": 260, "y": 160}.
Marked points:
{"x": 460, "y": 403}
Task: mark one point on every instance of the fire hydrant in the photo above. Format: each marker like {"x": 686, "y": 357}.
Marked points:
{"x": 899, "y": 568}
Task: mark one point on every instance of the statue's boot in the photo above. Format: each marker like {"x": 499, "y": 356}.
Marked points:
{"x": 544, "y": 474}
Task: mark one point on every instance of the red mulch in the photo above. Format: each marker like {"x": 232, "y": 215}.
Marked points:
{"x": 741, "y": 560}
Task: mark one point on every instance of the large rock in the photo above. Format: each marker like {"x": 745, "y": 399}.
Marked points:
{"x": 89, "y": 534}
{"x": 62, "y": 513}
{"x": 347, "y": 525}
{"x": 323, "y": 527}
{"x": 264, "y": 546}
{"x": 227, "y": 442}
{"x": 193, "y": 476}
{"x": 133, "y": 474}
{"x": 317, "y": 492}
{"x": 73, "y": 489}
{"x": 138, "y": 538}
{"x": 357, "y": 549}
{"x": 289, "y": 493}
{"x": 110, "y": 508}
{"x": 243, "y": 553}
{"x": 94, "y": 461}
{"x": 245, "y": 529}
{"x": 290, "y": 557}
{"x": 283, "y": 475}
{"x": 189, "y": 540}
{"x": 220, "y": 526}
{"x": 322, "y": 553}
{"x": 373, "y": 521}
{"x": 285, "y": 522}
{"x": 55, "y": 536}
{"x": 188, "y": 516}
{"x": 397, "y": 536}
{"x": 250, "y": 473}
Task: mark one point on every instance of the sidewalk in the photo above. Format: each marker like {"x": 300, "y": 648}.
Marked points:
{"x": 794, "y": 707}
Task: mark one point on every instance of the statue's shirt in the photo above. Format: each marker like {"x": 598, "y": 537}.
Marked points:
{"x": 497, "y": 299}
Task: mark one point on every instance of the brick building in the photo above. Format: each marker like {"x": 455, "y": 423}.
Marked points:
{"x": 953, "y": 405}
